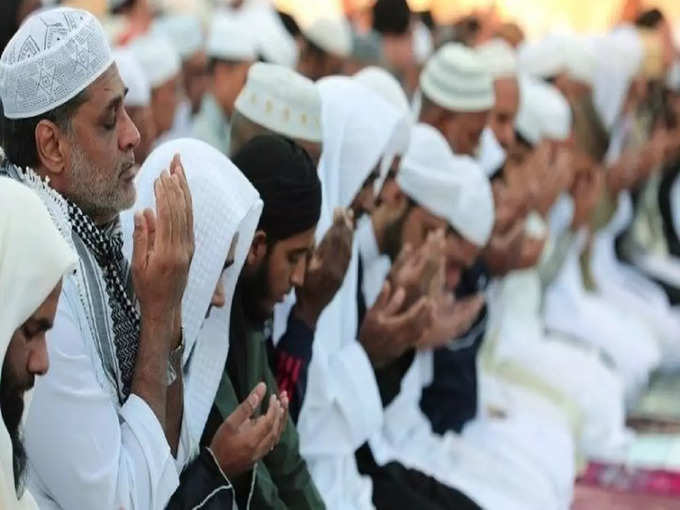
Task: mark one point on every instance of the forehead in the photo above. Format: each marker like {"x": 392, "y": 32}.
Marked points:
{"x": 507, "y": 90}
{"x": 105, "y": 88}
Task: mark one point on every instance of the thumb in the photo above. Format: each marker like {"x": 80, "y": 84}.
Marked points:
{"x": 384, "y": 297}
{"x": 248, "y": 407}
{"x": 140, "y": 242}
{"x": 396, "y": 302}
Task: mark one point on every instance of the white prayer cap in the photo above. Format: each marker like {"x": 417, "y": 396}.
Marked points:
{"x": 55, "y": 55}
{"x": 385, "y": 85}
{"x": 449, "y": 186}
{"x": 184, "y": 31}
{"x": 580, "y": 59}
{"x": 283, "y": 101}
{"x": 229, "y": 40}
{"x": 331, "y": 34}
{"x": 274, "y": 42}
{"x": 499, "y": 57}
{"x": 132, "y": 74}
{"x": 158, "y": 58}
{"x": 544, "y": 58}
{"x": 455, "y": 78}
{"x": 543, "y": 112}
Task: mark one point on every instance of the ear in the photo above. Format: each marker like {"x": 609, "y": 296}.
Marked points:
{"x": 258, "y": 249}
{"x": 52, "y": 148}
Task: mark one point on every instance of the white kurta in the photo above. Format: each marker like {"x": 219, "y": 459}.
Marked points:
{"x": 84, "y": 450}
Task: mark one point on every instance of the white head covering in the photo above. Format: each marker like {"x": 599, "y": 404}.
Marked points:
{"x": 619, "y": 58}
{"x": 581, "y": 60}
{"x": 331, "y": 34}
{"x": 358, "y": 128}
{"x": 543, "y": 112}
{"x": 386, "y": 86}
{"x": 499, "y": 57}
{"x": 456, "y": 78}
{"x": 544, "y": 58}
{"x": 132, "y": 74}
{"x": 274, "y": 42}
{"x": 283, "y": 101}
{"x": 184, "y": 31}
{"x": 490, "y": 155}
{"x": 53, "y": 57}
{"x": 449, "y": 186}
{"x": 158, "y": 58}
{"x": 33, "y": 259}
{"x": 229, "y": 39}
{"x": 224, "y": 203}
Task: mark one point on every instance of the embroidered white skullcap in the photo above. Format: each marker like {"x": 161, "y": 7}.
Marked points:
{"x": 673, "y": 80}
{"x": 184, "y": 31}
{"x": 499, "y": 57}
{"x": 384, "y": 84}
{"x": 449, "y": 186}
{"x": 544, "y": 58}
{"x": 283, "y": 101}
{"x": 158, "y": 57}
{"x": 543, "y": 112}
{"x": 455, "y": 78}
{"x": 55, "y": 55}
{"x": 230, "y": 40}
{"x": 331, "y": 34}
{"x": 132, "y": 74}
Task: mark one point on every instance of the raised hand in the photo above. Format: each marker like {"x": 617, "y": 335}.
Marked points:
{"x": 386, "y": 334}
{"x": 243, "y": 439}
{"x": 451, "y": 319}
{"x": 163, "y": 246}
{"x": 326, "y": 269}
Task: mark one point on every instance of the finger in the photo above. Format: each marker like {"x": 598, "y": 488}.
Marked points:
{"x": 179, "y": 208}
{"x": 187, "y": 198}
{"x": 396, "y": 302}
{"x": 140, "y": 239}
{"x": 150, "y": 218}
{"x": 247, "y": 408}
{"x": 163, "y": 230}
{"x": 265, "y": 425}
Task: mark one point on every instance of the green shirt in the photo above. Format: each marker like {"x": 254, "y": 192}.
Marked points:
{"x": 282, "y": 478}
{"x": 212, "y": 125}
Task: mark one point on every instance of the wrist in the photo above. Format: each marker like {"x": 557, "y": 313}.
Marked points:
{"x": 306, "y": 314}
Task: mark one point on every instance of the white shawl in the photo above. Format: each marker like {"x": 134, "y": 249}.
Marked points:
{"x": 225, "y": 203}
{"x": 33, "y": 259}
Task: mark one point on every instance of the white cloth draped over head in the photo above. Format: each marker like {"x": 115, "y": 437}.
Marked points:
{"x": 543, "y": 113}
{"x": 158, "y": 57}
{"x": 229, "y": 39}
{"x": 452, "y": 187}
{"x": 225, "y": 204}
{"x": 386, "y": 86}
{"x": 132, "y": 74}
{"x": 33, "y": 259}
{"x": 274, "y": 42}
{"x": 619, "y": 57}
{"x": 342, "y": 407}
{"x": 53, "y": 57}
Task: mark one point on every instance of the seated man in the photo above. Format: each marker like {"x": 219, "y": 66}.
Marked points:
{"x": 33, "y": 260}
{"x": 276, "y": 263}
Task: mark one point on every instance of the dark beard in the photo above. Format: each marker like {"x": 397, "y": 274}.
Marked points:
{"x": 253, "y": 289}
{"x": 12, "y": 408}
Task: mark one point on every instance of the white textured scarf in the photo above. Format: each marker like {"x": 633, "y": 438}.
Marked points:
{"x": 225, "y": 204}
{"x": 33, "y": 259}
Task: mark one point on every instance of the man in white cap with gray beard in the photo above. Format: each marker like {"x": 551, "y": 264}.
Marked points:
{"x": 457, "y": 96}
{"x": 108, "y": 427}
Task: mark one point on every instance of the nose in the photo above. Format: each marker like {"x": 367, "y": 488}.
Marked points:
{"x": 129, "y": 136}
{"x": 38, "y": 360}
{"x": 297, "y": 279}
